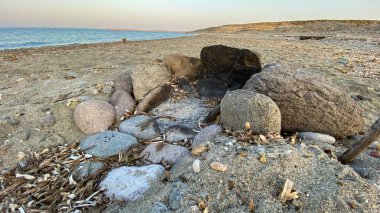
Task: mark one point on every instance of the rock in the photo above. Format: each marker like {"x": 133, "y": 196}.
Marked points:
{"x": 180, "y": 65}
{"x": 313, "y": 136}
{"x": 157, "y": 152}
{"x": 142, "y": 127}
{"x": 217, "y": 166}
{"x": 184, "y": 83}
{"x": 212, "y": 115}
{"x": 130, "y": 183}
{"x": 155, "y": 98}
{"x": 363, "y": 172}
{"x": 11, "y": 120}
{"x": 178, "y": 133}
{"x": 87, "y": 169}
{"x": 197, "y": 166}
{"x": 71, "y": 75}
{"x": 107, "y": 90}
{"x": 232, "y": 65}
{"x": 308, "y": 102}
{"x": 94, "y": 116}
{"x": 241, "y": 106}
{"x": 206, "y": 134}
{"x": 211, "y": 88}
{"x": 175, "y": 198}
{"x": 48, "y": 121}
{"x": 123, "y": 102}
{"x": 107, "y": 143}
{"x": 124, "y": 82}
{"x": 146, "y": 78}
{"x": 159, "y": 207}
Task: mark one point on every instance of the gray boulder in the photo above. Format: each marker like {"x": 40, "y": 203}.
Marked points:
{"x": 155, "y": 98}
{"x": 131, "y": 183}
{"x": 180, "y": 65}
{"x": 241, "y": 106}
{"x": 206, "y": 134}
{"x": 308, "y": 102}
{"x": 124, "y": 82}
{"x": 107, "y": 143}
{"x": 94, "y": 116}
{"x": 232, "y": 65}
{"x": 145, "y": 78}
{"x": 171, "y": 154}
{"x": 123, "y": 102}
{"x": 142, "y": 127}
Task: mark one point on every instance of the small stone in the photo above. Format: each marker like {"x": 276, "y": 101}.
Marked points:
{"x": 94, "y": 116}
{"x": 48, "y": 121}
{"x": 207, "y": 134}
{"x": 131, "y": 183}
{"x": 12, "y": 120}
{"x": 176, "y": 197}
{"x": 71, "y": 75}
{"x": 123, "y": 103}
{"x": 178, "y": 133}
{"x": 107, "y": 143}
{"x": 107, "y": 89}
{"x": 142, "y": 127}
{"x": 159, "y": 207}
{"x": 199, "y": 149}
{"x": 157, "y": 152}
{"x": 196, "y": 165}
{"x": 363, "y": 172}
{"x": 323, "y": 138}
{"x": 218, "y": 166}
{"x": 86, "y": 169}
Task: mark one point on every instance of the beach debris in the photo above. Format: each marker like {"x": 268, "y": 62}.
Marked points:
{"x": 287, "y": 193}
{"x": 198, "y": 150}
{"x": 196, "y": 165}
{"x": 251, "y": 205}
{"x": 217, "y": 166}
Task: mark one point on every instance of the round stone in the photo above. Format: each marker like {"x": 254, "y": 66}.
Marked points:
{"x": 123, "y": 102}
{"x": 94, "y": 116}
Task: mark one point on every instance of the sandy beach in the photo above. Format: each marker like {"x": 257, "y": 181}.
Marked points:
{"x": 36, "y": 81}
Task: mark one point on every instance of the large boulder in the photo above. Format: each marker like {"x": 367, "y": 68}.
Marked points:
{"x": 145, "y": 78}
{"x": 232, "y": 65}
{"x": 307, "y": 101}
{"x": 155, "y": 98}
{"x": 94, "y": 116}
{"x": 241, "y": 106}
{"x": 181, "y": 65}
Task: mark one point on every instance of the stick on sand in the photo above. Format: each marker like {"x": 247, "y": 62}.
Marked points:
{"x": 363, "y": 143}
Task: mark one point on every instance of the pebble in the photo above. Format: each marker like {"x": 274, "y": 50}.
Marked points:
{"x": 363, "y": 172}
{"x": 207, "y": 134}
{"x": 159, "y": 207}
{"x": 323, "y": 138}
{"x": 176, "y": 197}
{"x": 11, "y": 120}
{"x": 157, "y": 152}
{"x": 107, "y": 90}
{"x": 86, "y": 169}
{"x": 196, "y": 165}
{"x": 131, "y": 183}
{"x": 218, "y": 166}
{"x": 49, "y": 120}
{"x": 142, "y": 127}
{"x": 123, "y": 102}
{"x": 178, "y": 133}
{"x": 94, "y": 116}
{"x": 198, "y": 150}
{"x": 107, "y": 143}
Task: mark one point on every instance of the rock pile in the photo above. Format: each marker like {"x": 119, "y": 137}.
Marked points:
{"x": 263, "y": 102}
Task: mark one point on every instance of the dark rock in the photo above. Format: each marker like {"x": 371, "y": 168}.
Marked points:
{"x": 178, "y": 133}
{"x": 232, "y": 65}
{"x": 312, "y": 37}
{"x": 155, "y": 98}
{"x": 87, "y": 169}
{"x": 94, "y": 116}
{"x": 211, "y": 88}
{"x": 308, "y": 102}
{"x": 184, "y": 83}
{"x": 107, "y": 143}
{"x": 123, "y": 102}
{"x": 142, "y": 127}
{"x": 124, "y": 82}
{"x": 363, "y": 172}
{"x": 206, "y": 134}
{"x": 157, "y": 152}
{"x": 180, "y": 65}
{"x": 212, "y": 115}
{"x": 241, "y": 106}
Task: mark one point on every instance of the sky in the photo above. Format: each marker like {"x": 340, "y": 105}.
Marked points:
{"x": 176, "y": 15}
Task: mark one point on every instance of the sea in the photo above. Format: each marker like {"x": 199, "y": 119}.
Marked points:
{"x": 15, "y": 38}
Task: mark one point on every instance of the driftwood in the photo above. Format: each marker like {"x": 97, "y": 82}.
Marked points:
{"x": 362, "y": 144}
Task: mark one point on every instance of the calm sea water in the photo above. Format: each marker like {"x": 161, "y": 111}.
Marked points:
{"x": 14, "y": 38}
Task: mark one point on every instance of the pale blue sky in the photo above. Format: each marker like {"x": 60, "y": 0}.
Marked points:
{"x": 175, "y": 14}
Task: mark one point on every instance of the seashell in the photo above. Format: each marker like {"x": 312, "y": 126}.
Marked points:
{"x": 375, "y": 154}
{"x": 197, "y": 166}
{"x": 218, "y": 166}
